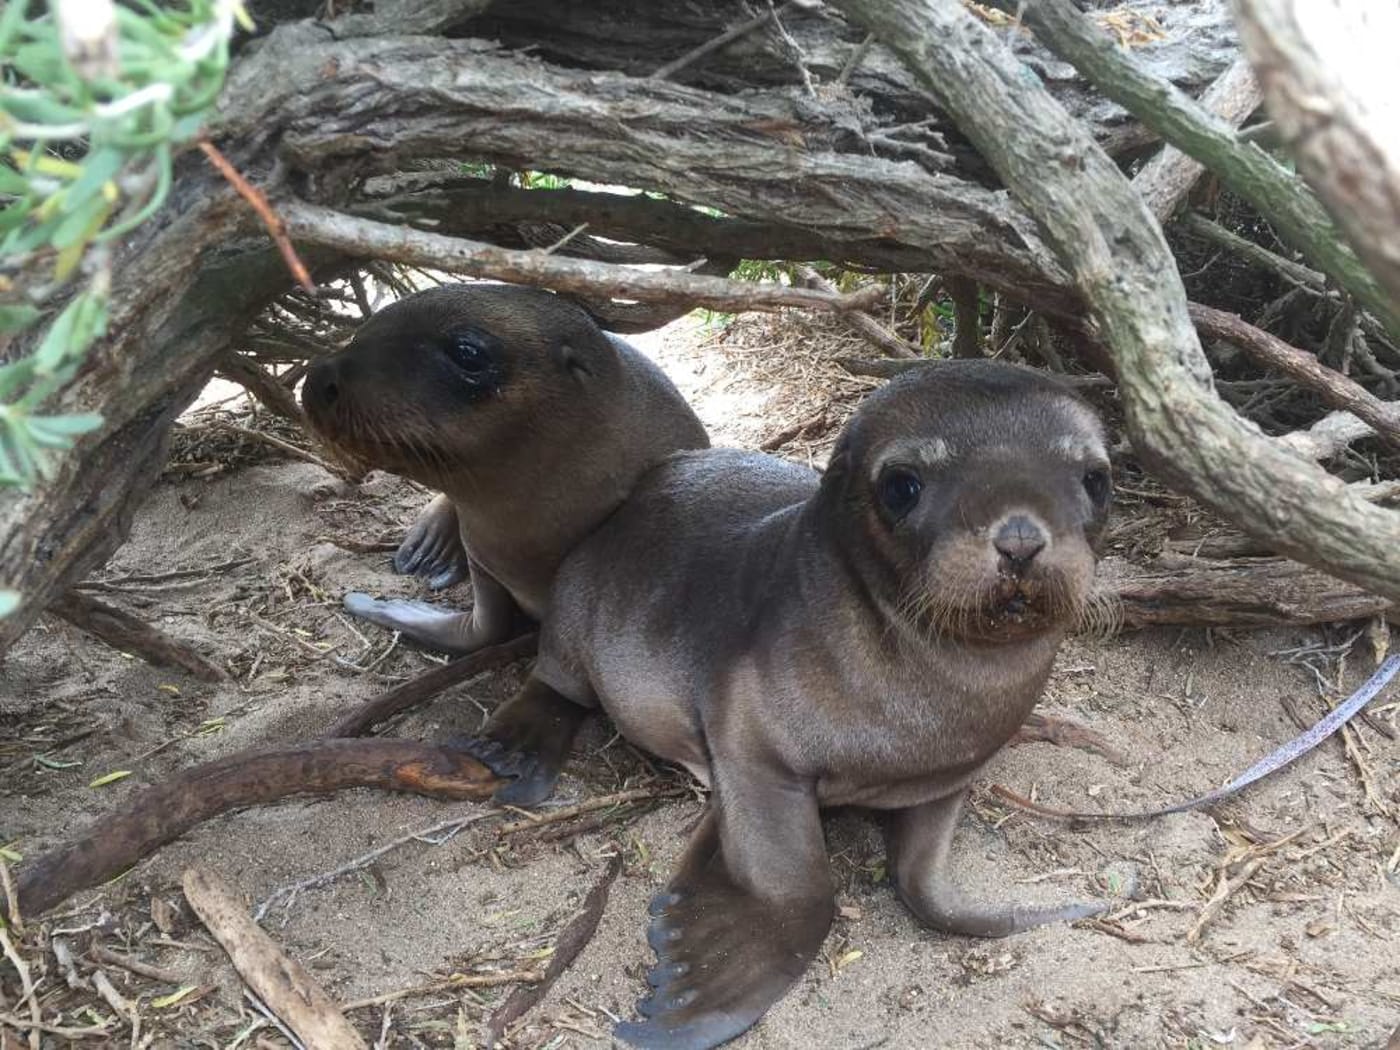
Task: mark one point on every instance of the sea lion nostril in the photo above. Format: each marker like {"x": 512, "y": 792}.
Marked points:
{"x": 1019, "y": 539}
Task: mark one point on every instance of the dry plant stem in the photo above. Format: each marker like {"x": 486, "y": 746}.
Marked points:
{"x": 861, "y": 322}
{"x": 276, "y": 228}
{"x": 279, "y": 981}
{"x": 1167, "y": 179}
{"x": 1336, "y": 390}
{"x": 128, "y": 633}
{"x": 967, "y": 320}
{"x": 27, "y": 986}
{"x": 19, "y": 1024}
{"x": 105, "y": 955}
{"x": 1327, "y": 72}
{"x": 572, "y": 940}
{"x": 365, "y": 718}
{"x": 1283, "y": 199}
{"x": 277, "y": 443}
{"x": 161, "y": 813}
{"x": 1104, "y": 233}
{"x": 1225, "y": 889}
{"x": 461, "y": 980}
{"x": 328, "y": 228}
{"x": 554, "y": 816}
{"x": 269, "y": 393}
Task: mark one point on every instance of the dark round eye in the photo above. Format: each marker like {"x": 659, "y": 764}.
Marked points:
{"x": 1096, "y": 484}
{"x": 899, "y": 492}
{"x": 469, "y": 354}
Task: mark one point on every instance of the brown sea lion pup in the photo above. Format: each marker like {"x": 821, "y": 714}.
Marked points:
{"x": 869, "y": 637}
{"x": 534, "y": 424}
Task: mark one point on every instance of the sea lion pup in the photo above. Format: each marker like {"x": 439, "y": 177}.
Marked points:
{"x": 869, "y": 637}
{"x": 534, "y": 424}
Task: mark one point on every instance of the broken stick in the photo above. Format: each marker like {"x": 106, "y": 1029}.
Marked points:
{"x": 280, "y": 982}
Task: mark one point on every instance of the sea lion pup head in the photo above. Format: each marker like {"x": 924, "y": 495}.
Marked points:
{"x": 442, "y": 382}
{"x": 977, "y": 493}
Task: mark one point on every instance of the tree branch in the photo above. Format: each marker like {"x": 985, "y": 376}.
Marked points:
{"x": 1283, "y": 199}
{"x": 1103, "y": 231}
{"x": 1328, "y": 73}
{"x": 353, "y": 236}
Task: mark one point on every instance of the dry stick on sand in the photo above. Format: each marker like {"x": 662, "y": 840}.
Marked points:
{"x": 591, "y": 805}
{"x": 36, "y": 1017}
{"x": 161, "y": 813}
{"x": 415, "y": 691}
{"x": 280, "y": 982}
{"x": 127, "y": 633}
{"x": 1224, "y": 890}
{"x": 365, "y": 237}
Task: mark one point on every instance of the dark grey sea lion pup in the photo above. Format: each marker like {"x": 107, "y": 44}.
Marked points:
{"x": 868, "y": 637}
{"x": 534, "y": 424}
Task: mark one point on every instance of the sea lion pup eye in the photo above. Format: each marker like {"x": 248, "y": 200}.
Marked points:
{"x": 868, "y": 637}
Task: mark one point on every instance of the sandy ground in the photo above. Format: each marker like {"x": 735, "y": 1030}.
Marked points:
{"x": 1303, "y": 953}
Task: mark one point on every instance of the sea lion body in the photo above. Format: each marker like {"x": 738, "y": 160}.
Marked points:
{"x": 869, "y": 637}
{"x": 535, "y": 425}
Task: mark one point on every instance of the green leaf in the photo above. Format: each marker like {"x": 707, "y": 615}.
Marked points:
{"x": 165, "y": 1001}
{"x": 13, "y": 318}
{"x": 66, "y": 426}
{"x": 12, "y": 181}
{"x": 9, "y": 602}
{"x": 53, "y": 763}
{"x": 81, "y": 321}
{"x": 99, "y": 168}
{"x": 110, "y": 778}
{"x": 10, "y": 856}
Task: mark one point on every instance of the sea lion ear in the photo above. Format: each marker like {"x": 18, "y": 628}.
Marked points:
{"x": 572, "y": 360}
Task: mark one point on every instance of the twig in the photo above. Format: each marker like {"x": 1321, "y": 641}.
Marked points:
{"x": 35, "y": 1027}
{"x": 861, "y": 322}
{"x": 1224, "y": 890}
{"x": 692, "y": 56}
{"x": 7, "y": 882}
{"x": 1328, "y": 437}
{"x": 572, "y": 940}
{"x": 798, "y": 58}
{"x": 136, "y": 966}
{"x": 282, "y": 983}
{"x": 967, "y": 320}
{"x": 137, "y": 579}
{"x": 27, "y": 987}
{"x": 127, "y": 633}
{"x": 457, "y": 980}
{"x": 796, "y": 430}
{"x": 444, "y": 830}
{"x": 858, "y": 54}
{"x": 276, "y": 228}
{"x": 278, "y": 443}
{"x": 554, "y": 816}
{"x": 365, "y": 237}
{"x": 427, "y": 685}
{"x": 1335, "y": 390}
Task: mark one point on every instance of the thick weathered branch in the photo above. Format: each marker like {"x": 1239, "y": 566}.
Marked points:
{"x": 1167, "y": 179}
{"x": 1328, "y": 73}
{"x": 1115, "y": 248}
{"x": 327, "y": 228}
{"x": 128, "y": 633}
{"x": 1283, "y": 199}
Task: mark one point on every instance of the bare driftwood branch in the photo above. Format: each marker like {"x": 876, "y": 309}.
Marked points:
{"x": 355, "y": 236}
{"x": 367, "y": 716}
{"x": 1283, "y": 199}
{"x": 861, "y": 322}
{"x": 1115, "y": 248}
{"x": 1166, "y": 180}
{"x": 1332, "y": 387}
{"x": 129, "y": 633}
{"x": 967, "y": 319}
{"x": 1328, "y": 437}
{"x": 1328, "y": 73}
{"x": 279, "y": 981}
{"x": 163, "y": 812}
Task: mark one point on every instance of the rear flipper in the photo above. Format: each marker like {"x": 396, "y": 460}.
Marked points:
{"x": 527, "y": 739}
{"x": 739, "y": 923}
{"x": 490, "y": 620}
{"x": 433, "y": 549}
{"x": 920, "y": 840}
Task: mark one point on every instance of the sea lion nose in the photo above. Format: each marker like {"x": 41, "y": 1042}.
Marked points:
{"x": 1019, "y": 540}
{"x": 322, "y": 386}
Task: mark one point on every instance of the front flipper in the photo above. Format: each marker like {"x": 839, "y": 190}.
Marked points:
{"x": 489, "y": 621}
{"x": 432, "y": 549}
{"x": 527, "y": 739}
{"x": 920, "y": 841}
{"x": 741, "y": 920}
